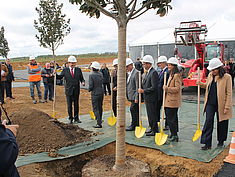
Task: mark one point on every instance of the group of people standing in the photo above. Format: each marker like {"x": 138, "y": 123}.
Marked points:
{"x": 6, "y": 79}
{"x": 152, "y": 89}
{"x": 47, "y": 74}
{"x": 218, "y": 97}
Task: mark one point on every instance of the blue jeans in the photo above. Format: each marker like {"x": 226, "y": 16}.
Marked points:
{"x": 49, "y": 88}
{"x": 31, "y": 86}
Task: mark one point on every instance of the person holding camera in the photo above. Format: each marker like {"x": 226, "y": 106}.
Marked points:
{"x": 8, "y": 150}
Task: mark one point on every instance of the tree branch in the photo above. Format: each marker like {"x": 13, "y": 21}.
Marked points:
{"x": 128, "y": 5}
{"x": 119, "y": 6}
{"x": 141, "y": 8}
{"x": 132, "y": 10}
{"x": 133, "y": 17}
{"x": 96, "y": 5}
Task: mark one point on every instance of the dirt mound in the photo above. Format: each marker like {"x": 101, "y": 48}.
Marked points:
{"x": 39, "y": 133}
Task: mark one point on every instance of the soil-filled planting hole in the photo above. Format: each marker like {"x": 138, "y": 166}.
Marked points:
{"x": 160, "y": 164}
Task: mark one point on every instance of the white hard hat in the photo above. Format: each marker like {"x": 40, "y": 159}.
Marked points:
{"x": 162, "y": 59}
{"x": 95, "y": 65}
{"x": 115, "y": 61}
{"x": 129, "y": 61}
{"x": 31, "y": 58}
{"x": 214, "y": 63}
{"x": 72, "y": 59}
{"x": 148, "y": 59}
{"x": 173, "y": 61}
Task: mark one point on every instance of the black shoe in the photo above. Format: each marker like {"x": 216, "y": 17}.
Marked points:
{"x": 174, "y": 138}
{"x": 71, "y": 121}
{"x": 204, "y": 148}
{"x": 97, "y": 126}
{"x": 130, "y": 128}
{"x": 77, "y": 121}
{"x": 166, "y": 128}
{"x": 51, "y": 99}
{"x": 150, "y": 134}
{"x": 149, "y": 131}
{"x": 220, "y": 144}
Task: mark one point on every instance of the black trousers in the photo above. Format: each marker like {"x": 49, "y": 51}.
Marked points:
{"x": 159, "y": 106}
{"x": 72, "y": 103}
{"x": 134, "y": 109}
{"x": 2, "y": 85}
{"x": 8, "y": 87}
{"x": 107, "y": 85}
{"x": 114, "y": 103}
{"x": 222, "y": 127}
{"x": 172, "y": 120}
{"x": 97, "y": 105}
{"x": 151, "y": 108}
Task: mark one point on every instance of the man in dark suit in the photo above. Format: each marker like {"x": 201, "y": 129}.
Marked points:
{"x": 150, "y": 91}
{"x": 162, "y": 64}
{"x": 72, "y": 76}
{"x": 132, "y": 85}
{"x": 97, "y": 92}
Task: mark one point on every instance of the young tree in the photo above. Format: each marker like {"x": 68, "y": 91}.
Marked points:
{"x": 51, "y": 25}
{"x": 4, "y": 49}
{"x": 122, "y": 11}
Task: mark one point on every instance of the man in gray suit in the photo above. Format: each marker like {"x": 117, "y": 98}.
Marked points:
{"x": 97, "y": 92}
{"x": 132, "y": 93}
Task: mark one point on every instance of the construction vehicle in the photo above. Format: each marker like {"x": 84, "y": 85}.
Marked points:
{"x": 193, "y": 33}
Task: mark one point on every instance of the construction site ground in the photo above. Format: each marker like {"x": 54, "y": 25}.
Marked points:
{"x": 22, "y": 111}
{"x": 160, "y": 163}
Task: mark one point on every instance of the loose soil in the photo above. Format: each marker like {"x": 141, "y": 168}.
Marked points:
{"x": 38, "y": 132}
{"x": 103, "y": 166}
{"x": 161, "y": 164}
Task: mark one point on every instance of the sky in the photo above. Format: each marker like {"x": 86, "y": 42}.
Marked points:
{"x": 91, "y": 35}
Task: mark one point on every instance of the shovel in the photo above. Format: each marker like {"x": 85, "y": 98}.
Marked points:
{"x": 92, "y": 115}
{"x": 112, "y": 119}
{"x": 160, "y": 138}
{"x": 140, "y": 130}
{"x": 198, "y": 132}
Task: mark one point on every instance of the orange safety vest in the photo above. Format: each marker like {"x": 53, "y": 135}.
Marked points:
{"x": 36, "y": 76}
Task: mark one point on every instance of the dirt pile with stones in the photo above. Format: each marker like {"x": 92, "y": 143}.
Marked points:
{"x": 38, "y": 132}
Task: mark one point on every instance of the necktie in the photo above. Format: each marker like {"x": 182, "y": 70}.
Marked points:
{"x": 72, "y": 73}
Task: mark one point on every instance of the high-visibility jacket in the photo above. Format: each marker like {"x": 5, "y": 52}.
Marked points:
{"x": 34, "y": 72}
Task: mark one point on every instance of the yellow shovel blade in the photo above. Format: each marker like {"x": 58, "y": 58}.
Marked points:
{"x": 139, "y": 131}
{"x": 112, "y": 120}
{"x": 53, "y": 115}
{"x": 197, "y": 135}
{"x": 92, "y": 115}
{"x": 160, "y": 138}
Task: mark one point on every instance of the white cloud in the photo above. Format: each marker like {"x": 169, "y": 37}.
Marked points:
{"x": 100, "y": 35}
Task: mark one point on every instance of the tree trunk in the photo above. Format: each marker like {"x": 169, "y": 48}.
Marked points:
{"x": 53, "y": 51}
{"x": 121, "y": 98}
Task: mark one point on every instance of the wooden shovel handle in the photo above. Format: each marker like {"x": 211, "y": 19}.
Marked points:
{"x": 140, "y": 97}
{"x": 198, "y": 97}
{"x": 111, "y": 86}
{"x": 164, "y": 96}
